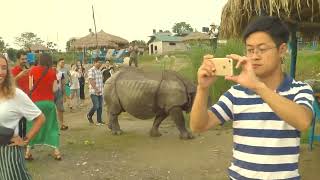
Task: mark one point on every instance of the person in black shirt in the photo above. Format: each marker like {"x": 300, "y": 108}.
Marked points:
{"x": 107, "y": 70}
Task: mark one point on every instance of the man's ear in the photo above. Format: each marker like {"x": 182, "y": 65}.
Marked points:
{"x": 283, "y": 50}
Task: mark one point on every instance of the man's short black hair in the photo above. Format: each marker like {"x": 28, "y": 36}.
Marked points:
{"x": 97, "y": 59}
{"x": 271, "y": 25}
{"x": 21, "y": 53}
{"x": 61, "y": 59}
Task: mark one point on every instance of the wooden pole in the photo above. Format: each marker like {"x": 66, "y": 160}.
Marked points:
{"x": 95, "y": 28}
{"x": 294, "y": 50}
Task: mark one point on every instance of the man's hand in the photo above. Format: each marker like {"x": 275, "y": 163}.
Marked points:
{"x": 206, "y": 72}
{"x": 24, "y": 72}
{"x": 247, "y": 78}
{"x": 18, "y": 141}
{"x": 97, "y": 91}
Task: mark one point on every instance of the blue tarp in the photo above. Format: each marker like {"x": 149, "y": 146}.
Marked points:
{"x": 31, "y": 58}
{"x": 119, "y": 56}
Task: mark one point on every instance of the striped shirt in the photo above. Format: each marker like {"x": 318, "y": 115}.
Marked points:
{"x": 265, "y": 146}
{"x": 96, "y": 76}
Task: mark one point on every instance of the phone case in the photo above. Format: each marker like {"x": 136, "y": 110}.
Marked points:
{"x": 224, "y": 66}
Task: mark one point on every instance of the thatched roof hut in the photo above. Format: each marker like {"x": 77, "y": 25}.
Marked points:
{"x": 104, "y": 40}
{"x": 196, "y": 36}
{"x": 38, "y": 47}
{"x": 303, "y": 15}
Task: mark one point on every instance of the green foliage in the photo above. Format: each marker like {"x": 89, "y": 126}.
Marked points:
{"x": 52, "y": 46}
{"x": 308, "y": 65}
{"x": 26, "y": 39}
{"x": 196, "y": 54}
{"x": 69, "y": 44}
{"x": 182, "y": 28}
{"x": 12, "y": 54}
{"x": 140, "y": 43}
{"x": 233, "y": 46}
{"x": 3, "y": 45}
{"x": 69, "y": 57}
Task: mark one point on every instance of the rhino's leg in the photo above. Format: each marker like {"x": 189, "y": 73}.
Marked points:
{"x": 114, "y": 124}
{"x": 154, "y": 132}
{"x": 177, "y": 116}
{"x": 113, "y": 112}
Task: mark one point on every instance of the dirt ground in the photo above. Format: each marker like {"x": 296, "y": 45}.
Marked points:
{"x": 91, "y": 152}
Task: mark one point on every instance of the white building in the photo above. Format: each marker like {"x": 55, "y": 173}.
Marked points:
{"x": 163, "y": 42}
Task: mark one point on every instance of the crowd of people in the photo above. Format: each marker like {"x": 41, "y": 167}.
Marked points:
{"x": 32, "y": 105}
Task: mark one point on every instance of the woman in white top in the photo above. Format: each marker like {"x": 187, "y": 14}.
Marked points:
{"x": 74, "y": 86}
{"x": 14, "y": 104}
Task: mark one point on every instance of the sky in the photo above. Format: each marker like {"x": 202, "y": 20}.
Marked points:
{"x": 60, "y": 20}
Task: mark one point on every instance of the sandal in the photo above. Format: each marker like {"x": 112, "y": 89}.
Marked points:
{"x": 64, "y": 127}
{"x": 57, "y": 156}
{"x": 28, "y": 157}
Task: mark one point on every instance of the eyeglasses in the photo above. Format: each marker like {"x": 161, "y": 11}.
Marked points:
{"x": 258, "y": 50}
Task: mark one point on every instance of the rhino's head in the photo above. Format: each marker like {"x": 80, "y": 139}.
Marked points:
{"x": 191, "y": 89}
{"x": 191, "y": 97}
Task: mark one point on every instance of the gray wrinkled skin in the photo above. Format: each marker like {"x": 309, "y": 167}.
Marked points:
{"x": 146, "y": 94}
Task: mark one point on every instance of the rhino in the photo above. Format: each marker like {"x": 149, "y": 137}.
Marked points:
{"x": 146, "y": 94}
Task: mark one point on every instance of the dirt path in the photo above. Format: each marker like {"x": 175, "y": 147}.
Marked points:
{"x": 91, "y": 152}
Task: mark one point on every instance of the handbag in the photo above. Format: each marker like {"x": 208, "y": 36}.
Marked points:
{"x": 5, "y": 135}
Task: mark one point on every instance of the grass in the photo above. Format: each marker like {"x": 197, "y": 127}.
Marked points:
{"x": 307, "y": 67}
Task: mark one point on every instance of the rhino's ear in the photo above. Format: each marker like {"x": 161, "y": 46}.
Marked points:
{"x": 191, "y": 87}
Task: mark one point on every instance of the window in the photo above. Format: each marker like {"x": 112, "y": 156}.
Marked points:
{"x": 155, "y": 48}
{"x": 172, "y": 44}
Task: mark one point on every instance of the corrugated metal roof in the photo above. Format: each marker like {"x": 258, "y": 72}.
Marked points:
{"x": 166, "y": 38}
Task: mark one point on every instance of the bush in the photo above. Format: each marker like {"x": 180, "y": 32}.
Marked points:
{"x": 12, "y": 54}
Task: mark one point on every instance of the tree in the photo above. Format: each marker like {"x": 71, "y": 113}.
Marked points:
{"x": 182, "y": 28}
{"x": 52, "y": 46}
{"x": 26, "y": 39}
{"x": 70, "y": 43}
{"x": 12, "y": 54}
{"x": 3, "y": 45}
{"x": 140, "y": 43}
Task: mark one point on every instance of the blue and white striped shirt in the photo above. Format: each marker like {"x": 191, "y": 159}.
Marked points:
{"x": 265, "y": 146}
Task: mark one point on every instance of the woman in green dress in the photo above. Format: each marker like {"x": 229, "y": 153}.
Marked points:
{"x": 43, "y": 85}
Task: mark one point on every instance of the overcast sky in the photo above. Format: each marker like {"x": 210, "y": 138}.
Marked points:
{"x": 59, "y": 20}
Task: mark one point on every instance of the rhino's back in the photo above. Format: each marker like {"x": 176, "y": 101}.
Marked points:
{"x": 172, "y": 92}
{"x": 136, "y": 91}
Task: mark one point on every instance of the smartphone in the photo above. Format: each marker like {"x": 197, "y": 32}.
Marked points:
{"x": 224, "y": 66}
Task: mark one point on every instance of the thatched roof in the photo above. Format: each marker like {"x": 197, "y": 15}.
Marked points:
{"x": 196, "y": 36}
{"x": 38, "y": 47}
{"x": 237, "y": 13}
{"x": 104, "y": 40}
